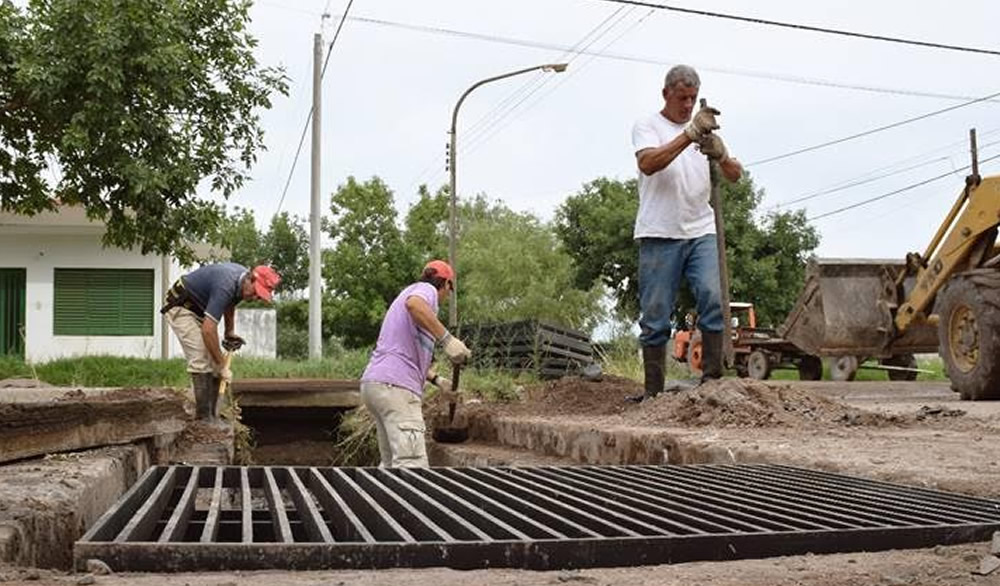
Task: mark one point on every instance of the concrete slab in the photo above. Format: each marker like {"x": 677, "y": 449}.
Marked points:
{"x": 298, "y": 392}
{"x": 35, "y": 422}
{"x": 47, "y": 504}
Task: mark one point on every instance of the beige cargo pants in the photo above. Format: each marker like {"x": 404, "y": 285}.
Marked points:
{"x": 399, "y": 423}
{"x": 187, "y": 328}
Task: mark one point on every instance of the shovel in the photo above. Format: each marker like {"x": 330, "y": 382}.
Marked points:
{"x": 450, "y": 433}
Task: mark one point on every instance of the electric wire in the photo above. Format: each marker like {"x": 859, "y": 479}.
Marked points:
{"x": 805, "y": 27}
{"x": 305, "y": 128}
{"x": 872, "y": 131}
{"x": 896, "y": 191}
{"x": 646, "y": 60}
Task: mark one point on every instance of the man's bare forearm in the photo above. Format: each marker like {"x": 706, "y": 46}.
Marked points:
{"x": 653, "y": 160}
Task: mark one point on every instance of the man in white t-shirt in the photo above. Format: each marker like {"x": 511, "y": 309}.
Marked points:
{"x": 675, "y": 225}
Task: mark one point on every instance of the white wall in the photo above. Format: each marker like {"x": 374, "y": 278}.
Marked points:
{"x": 40, "y": 255}
{"x": 258, "y": 327}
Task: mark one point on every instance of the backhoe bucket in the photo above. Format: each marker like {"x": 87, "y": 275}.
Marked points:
{"x": 845, "y": 309}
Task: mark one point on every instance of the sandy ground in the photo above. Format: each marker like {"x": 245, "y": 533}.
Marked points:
{"x": 942, "y": 566}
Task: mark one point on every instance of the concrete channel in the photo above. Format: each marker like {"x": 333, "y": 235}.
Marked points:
{"x": 48, "y": 502}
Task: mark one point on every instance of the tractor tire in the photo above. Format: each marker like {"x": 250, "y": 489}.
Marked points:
{"x": 759, "y": 365}
{"x": 969, "y": 338}
{"x": 810, "y": 368}
{"x": 740, "y": 365}
{"x": 844, "y": 368}
{"x": 903, "y": 360}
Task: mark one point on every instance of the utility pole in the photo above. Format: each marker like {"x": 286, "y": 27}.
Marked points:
{"x": 315, "y": 294}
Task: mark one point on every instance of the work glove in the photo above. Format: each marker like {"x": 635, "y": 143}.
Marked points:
{"x": 702, "y": 123}
{"x": 225, "y": 373}
{"x": 711, "y": 146}
{"x": 232, "y": 342}
{"x": 443, "y": 383}
{"x": 455, "y": 349}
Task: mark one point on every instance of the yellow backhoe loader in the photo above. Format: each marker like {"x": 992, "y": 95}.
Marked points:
{"x": 947, "y": 298}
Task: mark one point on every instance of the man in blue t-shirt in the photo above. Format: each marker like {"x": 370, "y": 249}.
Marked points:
{"x": 195, "y": 305}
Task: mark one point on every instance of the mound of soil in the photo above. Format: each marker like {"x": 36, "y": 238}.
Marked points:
{"x": 751, "y": 403}
{"x": 572, "y": 395}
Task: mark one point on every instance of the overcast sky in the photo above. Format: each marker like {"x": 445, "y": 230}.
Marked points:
{"x": 391, "y": 85}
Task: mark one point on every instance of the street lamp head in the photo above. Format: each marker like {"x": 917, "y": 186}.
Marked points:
{"x": 556, "y": 67}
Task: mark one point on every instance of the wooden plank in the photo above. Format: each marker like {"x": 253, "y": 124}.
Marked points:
{"x": 295, "y": 385}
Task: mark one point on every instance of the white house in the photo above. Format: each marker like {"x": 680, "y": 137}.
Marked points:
{"x": 63, "y": 294}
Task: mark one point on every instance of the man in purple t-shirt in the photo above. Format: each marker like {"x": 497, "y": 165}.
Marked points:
{"x": 392, "y": 385}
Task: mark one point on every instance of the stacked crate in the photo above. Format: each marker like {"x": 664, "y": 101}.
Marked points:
{"x": 547, "y": 349}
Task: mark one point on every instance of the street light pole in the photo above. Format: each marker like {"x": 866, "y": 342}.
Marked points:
{"x": 453, "y": 193}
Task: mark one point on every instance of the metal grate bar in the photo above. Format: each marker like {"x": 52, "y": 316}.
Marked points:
{"x": 656, "y": 517}
{"x": 309, "y": 513}
{"x": 697, "y": 512}
{"x": 453, "y": 523}
{"x": 503, "y": 508}
{"x": 792, "y": 499}
{"x": 246, "y": 507}
{"x": 178, "y": 522}
{"x": 345, "y": 523}
{"x": 381, "y": 524}
{"x": 712, "y": 503}
{"x": 141, "y": 526}
{"x": 541, "y": 518}
{"x": 838, "y": 500}
{"x": 276, "y": 504}
{"x": 935, "y": 503}
{"x": 578, "y": 511}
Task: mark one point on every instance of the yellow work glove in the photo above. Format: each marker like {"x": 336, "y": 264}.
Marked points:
{"x": 702, "y": 123}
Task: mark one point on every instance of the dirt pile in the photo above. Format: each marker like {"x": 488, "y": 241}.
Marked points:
{"x": 572, "y": 395}
{"x": 750, "y": 403}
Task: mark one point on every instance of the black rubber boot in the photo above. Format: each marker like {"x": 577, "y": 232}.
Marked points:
{"x": 711, "y": 355}
{"x": 202, "y": 396}
{"x": 213, "y": 396}
{"x": 653, "y": 362}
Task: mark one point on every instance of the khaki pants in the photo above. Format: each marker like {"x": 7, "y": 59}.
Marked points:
{"x": 187, "y": 327}
{"x": 399, "y": 422}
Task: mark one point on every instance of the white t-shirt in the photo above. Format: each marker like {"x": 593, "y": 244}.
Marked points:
{"x": 673, "y": 202}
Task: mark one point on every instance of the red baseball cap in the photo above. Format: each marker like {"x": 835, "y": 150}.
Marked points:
{"x": 265, "y": 279}
{"x": 441, "y": 269}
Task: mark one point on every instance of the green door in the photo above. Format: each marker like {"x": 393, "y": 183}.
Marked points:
{"x": 12, "y": 311}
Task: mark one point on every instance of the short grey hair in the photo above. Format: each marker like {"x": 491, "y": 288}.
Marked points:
{"x": 682, "y": 74}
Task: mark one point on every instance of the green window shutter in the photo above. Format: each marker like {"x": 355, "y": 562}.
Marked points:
{"x": 103, "y": 302}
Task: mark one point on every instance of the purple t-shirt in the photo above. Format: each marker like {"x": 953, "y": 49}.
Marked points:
{"x": 404, "y": 351}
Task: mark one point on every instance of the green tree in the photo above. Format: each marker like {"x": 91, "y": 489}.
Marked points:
{"x": 511, "y": 266}
{"x": 766, "y": 255}
{"x": 286, "y": 247}
{"x": 240, "y": 237}
{"x": 131, "y": 105}
{"x": 369, "y": 263}
{"x": 427, "y": 224}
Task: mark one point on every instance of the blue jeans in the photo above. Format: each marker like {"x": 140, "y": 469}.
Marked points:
{"x": 662, "y": 263}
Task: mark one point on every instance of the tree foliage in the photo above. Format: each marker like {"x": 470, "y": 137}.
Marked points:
{"x": 286, "y": 247}
{"x": 130, "y": 106}
{"x": 369, "y": 262}
{"x": 511, "y": 266}
{"x": 766, "y": 255}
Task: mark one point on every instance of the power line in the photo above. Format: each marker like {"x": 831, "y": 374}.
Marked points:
{"x": 805, "y": 27}
{"x": 875, "y": 175}
{"x": 637, "y": 59}
{"x": 305, "y": 128}
{"x": 872, "y": 131}
{"x": 897, "y": 191}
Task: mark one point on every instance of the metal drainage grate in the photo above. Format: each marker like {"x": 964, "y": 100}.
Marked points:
{"x": 206, "y": 518}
